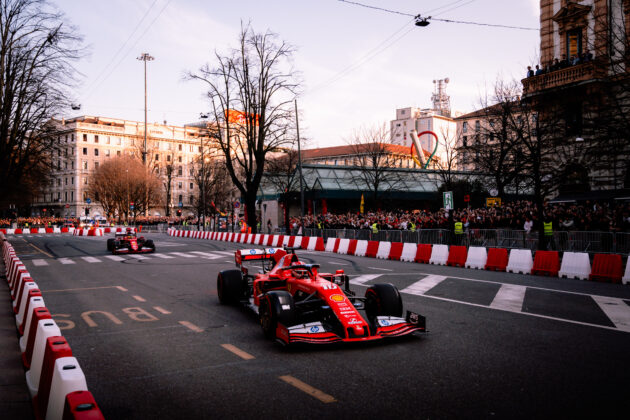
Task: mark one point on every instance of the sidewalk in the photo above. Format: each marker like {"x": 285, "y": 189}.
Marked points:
{"x": 15, "y": 401}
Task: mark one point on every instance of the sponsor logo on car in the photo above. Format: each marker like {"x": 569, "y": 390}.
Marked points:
{"x": 337, "y": 298}
{"x": 354, "y": 321}
{"x": 314, "y": 329}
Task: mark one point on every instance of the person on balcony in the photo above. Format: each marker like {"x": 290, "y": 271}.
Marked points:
{"x": 530, "y": 72}
{"x": 538, "y": 71}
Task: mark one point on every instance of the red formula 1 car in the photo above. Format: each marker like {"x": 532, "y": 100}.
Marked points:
{"x": 297, "y": 304}
{"x": 129, "y": 243}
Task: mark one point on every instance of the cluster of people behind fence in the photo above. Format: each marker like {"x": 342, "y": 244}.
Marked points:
{"x": 518, "y": 215}
{"x": 558, "y": 64}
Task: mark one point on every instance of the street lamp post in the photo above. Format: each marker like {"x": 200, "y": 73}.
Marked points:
{"x": 145, "y": 57}
{"x": 297, "y": 125}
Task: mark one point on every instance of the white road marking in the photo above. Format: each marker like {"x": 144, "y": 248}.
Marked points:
{"x": 115, "y": 257}
{"x": 336, "y": 263}
{"x": 162, "y": 256}
{"x": 616, "y": 310}
{"x": 181, "y": 254}
{"x": 207, "y": 255}
{"x": 381, "y": 269}
{"x": 364, "y": 278}
{"x": 122, "y": 289}
{"x": 224, "y": 252}
{"x": 39, "y": 262}
{"x": 66, "y": 261}
{"x": 91, "y": 259}
{"x": 138, "y": 257}
{"x": 161, "y": 310}
{"x": 510, "y": 297}
{"x": 424, "y": 285}
{"x": 139, "y": 298}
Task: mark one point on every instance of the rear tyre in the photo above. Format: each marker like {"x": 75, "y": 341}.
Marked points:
{"x": 110, "y": 244}
{"x": 149, "y": 244}
{"x": 276, "y": 306}
{"x": 230, "y": 287}
{"x": 383, "y": 299}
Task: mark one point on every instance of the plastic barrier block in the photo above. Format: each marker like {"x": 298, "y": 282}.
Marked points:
{"x": 304, "y": 243}
{"x": 263, "y": 239}
{"x": 293, "y": 240}
{"x": 49, "y": 230}
{"x": 319, "y": 244}
{"x": 331, "y": 243}
{"x": 35, "y": 300}
{"x": 408, "y": 252}
{"x": 626, "y": 276}
{"x": 19, "y": 276}
{"x": 439, "y": 255}
{"x": 342, "y": 248}
{"x": 372, "y": 249}
{"x": 280, "y": 241}
{"x": 352, "y": 246}
{"x": 575, "y": 265}
{"x": 395, "y": 251}
{"x": 17, "y": 231}
{"x": 312, "y": 243}
{"x": 457, "y": 256}
{"x": 19, "y": 294}
{"x": 383, "y": 250}
{"x": 45, "y": 328}
{"x": 520, "y": 261}
{"x": 34, "y": 230}
{"x": 477, "y": 257}
{"x": 361, "y": 249}
{"x": 27, "y": 341}
{"x": 67, "y": 377}
{"x": 497, "y": 259}
{"x": 253, "y": 239}
{"x": 30, "y": 290}
{"x": 546, "y": 263}
{"x": 56, "y": 348}
{"x": 607, "y": 268}
{"x": 270, "y": 240}
{"x": 80, "y": 405}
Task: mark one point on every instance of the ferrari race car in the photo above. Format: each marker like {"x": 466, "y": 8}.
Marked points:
{"x": 298, "y": 304}
{"x": 129, "y": 243}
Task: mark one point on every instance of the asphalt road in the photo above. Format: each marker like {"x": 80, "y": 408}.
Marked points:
{"x": 154, "y": 342}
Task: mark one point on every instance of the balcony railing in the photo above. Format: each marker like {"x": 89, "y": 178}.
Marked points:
{"x": 558, "y": 78}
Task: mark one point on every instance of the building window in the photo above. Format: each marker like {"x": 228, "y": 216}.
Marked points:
{"x": 107, "y": 140}
{"x": 85, "y": 180}
{"x": 574, "y": 43}
{"x": 85, "y": 137}
{"x": 107, "y": 152}
{"x": 465, "y": 141}
{"x": 72, "y": 180}
{"x": 179, "y": 171}
{"x": 168, "y": 158}
{"x": 179, "y": 187}
{"x": 72, "y": 164}
{"x": 58, "y": 195}
{"x": 157, "y": 157}
{"x": 95, "y": 139}
{"x": 477, "y": 125}
{"x": 191, "y": 199}
{"x": 179, "y": 159}
{"x": 179, "y": 147}
{"x": 95, "y": 165}
{"x": 190, "y": 172}
{"x": 72, "y": 138}
{"x": 465, "y": 127}
{"x": 71, "y": 196}
{"x": 85, "y": 150}
{"x": 95, "y": 152}
{"x": 117, "y": 152}
{"x": 191, "y": 186}
{"x": 66, "y": 181}
{"x": 66, "y": 195}
{"x": 85, "y": 164}
{"x": 181, "y": 197}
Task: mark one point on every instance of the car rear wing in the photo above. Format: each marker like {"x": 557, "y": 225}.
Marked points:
{"x": 243, "y": 255}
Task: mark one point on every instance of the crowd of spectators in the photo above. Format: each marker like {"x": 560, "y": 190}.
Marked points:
{"x": 519, "y": 215}
{"x": 558, "y": 64}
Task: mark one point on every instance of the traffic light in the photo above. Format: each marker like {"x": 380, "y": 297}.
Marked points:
{"x": 179, "y": 212}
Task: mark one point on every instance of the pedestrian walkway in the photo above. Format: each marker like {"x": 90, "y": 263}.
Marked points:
{"x": 15, "y": 401}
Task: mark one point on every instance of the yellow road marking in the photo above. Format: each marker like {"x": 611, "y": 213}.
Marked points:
{"x": 161, "y": 310}
{"x": 122, "y": 289}
{"x": 240, "y": 353}
{"x": 313, "y": 392}
{"x": 139, "y": 299}
{"x": 43, "y": 252}
{"x": 191, "y": 326}
{"x": 85, "y": 288}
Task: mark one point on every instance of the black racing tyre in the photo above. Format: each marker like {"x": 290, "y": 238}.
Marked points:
{"x": 276, "y": 306}
{"x": 149, "y": 244}
{"x": 230, "y": 287}
{"x": 110, "y": 244}
{"x": 383, "y": 299}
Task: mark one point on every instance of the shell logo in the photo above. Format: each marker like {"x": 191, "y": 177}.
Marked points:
{"x": 337, "y": 298}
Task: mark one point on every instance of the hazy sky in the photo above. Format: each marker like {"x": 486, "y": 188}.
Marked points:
{"x": 358, "y": 64}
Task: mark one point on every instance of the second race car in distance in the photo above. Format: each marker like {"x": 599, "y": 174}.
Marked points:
{"x": 128, "y": 243}
{"x": 298, "y": 304}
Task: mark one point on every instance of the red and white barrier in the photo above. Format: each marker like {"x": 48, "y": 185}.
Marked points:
{"x": 395, "y": 251}
{"x": 575, "y": 265}
{"x": 409, "y": 252}
{"x": 67, "y": 377}
{"x": 477, "y": 257}
{"x": 626, "y": 276}
{"x": 343, "y": 246}
{"x": 331, "y": 243}
{"x": 520, "y": 261}
{"x": 34, "y": 298}
{"x": 383, "y": 250}
{"x": 45, "y": 328}
{"x": 439, "y": 254}
{"x": 27, "y": 341}
{"x": 80, "y": 405}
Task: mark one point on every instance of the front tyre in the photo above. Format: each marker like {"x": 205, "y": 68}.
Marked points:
{"x": 110, "y": 244}
{"x": 230, "y": 287}
{"x": 383, "y": 299}
{"x": 276, "y": 306}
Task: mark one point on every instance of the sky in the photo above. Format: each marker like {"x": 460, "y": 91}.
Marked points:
{"x": 357, "y": 64}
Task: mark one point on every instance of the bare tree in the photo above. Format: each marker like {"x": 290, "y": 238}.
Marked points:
{"x": 446, "y": 163}
{"x": 37, "y": 50}
{"x": 123, "y": 180}
{"x": 167, "y": 182}
{"x": 215, "y": 181}
{"x": 283, "y": 175}
{"x": 251, "y": 91}
{"x": 374, "y": 159}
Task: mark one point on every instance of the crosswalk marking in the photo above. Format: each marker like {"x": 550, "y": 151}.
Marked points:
{"x": 39, "y": 262}
{"x": 66, "y": 261}
{"x": 138, "y": 257}
{"x": 206, "y": 255}
{"x": 162, "y": 255}
{"x": 364, "y": 278}
{"x": 181, "y": 254}
{"x": 424, "y": 285}
{"x": 115, "y": 257}
{"x": 510, "y": 297}
{"x": 224, "y": 252}
{"x": 91, "y": 259}
{"x": 616, "y": 310}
